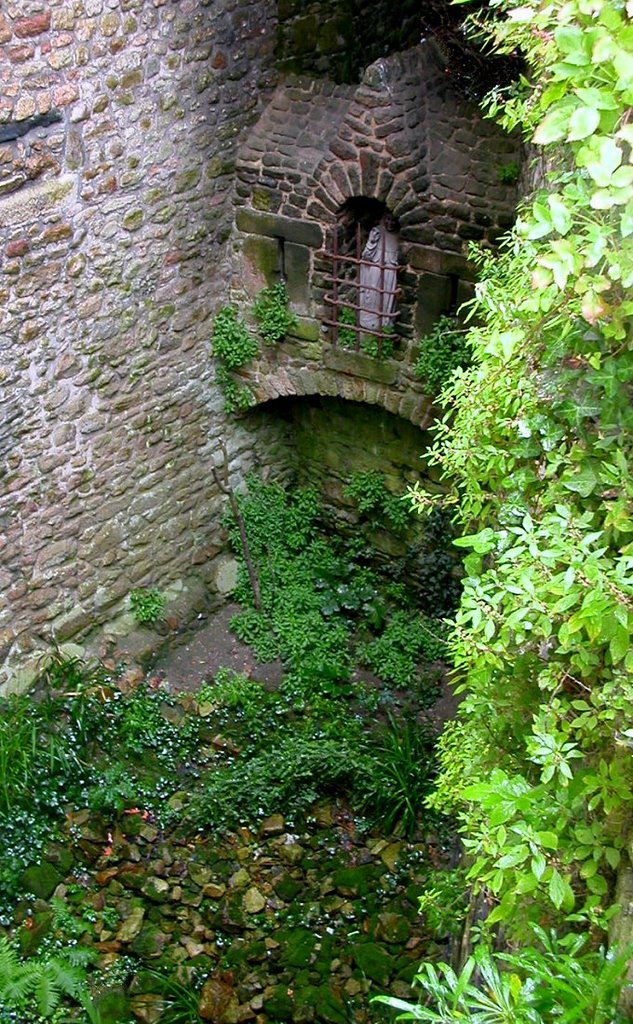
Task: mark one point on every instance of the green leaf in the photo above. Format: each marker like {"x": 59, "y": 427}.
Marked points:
{"x": 583, "y": 482}
{"x": 513, "y": 858}
{"x": 613, "y": 856}
{"x": 553, "y": 127}
{"x": 620, "y": 643}
{"x": 570, "y": 39}
{"x": 538, "y": 865}
{"x": 560, "y": 891}
{"x": 482, "y": 542}
{"x": 626, "y": 220}
{"x": 548, "y": 839}
{"x": 504, "y": 910}
{"x": 582, "y": 123}
{"x": 602, "y": 99}
{"x": 608, "y": 159}
{"x": 561, "y": 216}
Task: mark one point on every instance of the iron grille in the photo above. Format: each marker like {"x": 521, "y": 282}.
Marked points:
{"x": 363, "y": 294}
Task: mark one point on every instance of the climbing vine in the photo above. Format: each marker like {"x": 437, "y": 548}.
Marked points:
{"x": 233, "y": 344}
{"x": 273, "y": 316}
{"x": 537, "y": 443}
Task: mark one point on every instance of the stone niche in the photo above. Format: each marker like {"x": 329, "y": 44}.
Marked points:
{"x": 406, "y": 140}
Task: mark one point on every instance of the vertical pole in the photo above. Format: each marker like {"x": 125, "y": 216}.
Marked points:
{"x": 381, "y": 297}
{"x": 335, "y": 308}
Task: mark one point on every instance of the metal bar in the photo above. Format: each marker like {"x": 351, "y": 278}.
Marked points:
{"x": 374, "y": 334}
{"x": 352, "y": 260}
{"x": 398, "y": 291}
{"x": 345, "y": 304}
{"x": 382, "y": 288}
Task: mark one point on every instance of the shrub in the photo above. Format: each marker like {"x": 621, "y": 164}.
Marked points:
{"x": 405, "y": 641}
{"x": 233, "y": 345}
{"x": 289, "y": 777}
{"x": 442, "y": 351}
{"x": 376, "y": 502}
{"x": 401, "y": 768}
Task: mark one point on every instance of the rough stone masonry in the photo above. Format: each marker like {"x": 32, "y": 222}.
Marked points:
{"x": 120, "y": 122}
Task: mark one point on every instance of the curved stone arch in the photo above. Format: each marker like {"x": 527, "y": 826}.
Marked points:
{"x": 299, "y": 381}
{"x": 378, "y": 150}
{"x": 338, "y": 183}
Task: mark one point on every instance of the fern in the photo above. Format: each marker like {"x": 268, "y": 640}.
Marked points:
{"x": 46, "y": 982}
{"x": 16, "y": 979}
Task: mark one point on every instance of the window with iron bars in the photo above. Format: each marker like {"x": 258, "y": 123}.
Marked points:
{"x": 361, "y": 272}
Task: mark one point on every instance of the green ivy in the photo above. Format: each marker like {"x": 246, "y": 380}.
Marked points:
{"x": 348, "y": 336}
{"x": 405, "y": 642}
{"x": 147, "y": 604}
{"x": 537, "y": 443}
{"x": 272, "y": 314}
{"x": 233, "y": 344}
{"x": 316, "y": 597}
{"x": 376, "y": 502}
{"x": 232, "y": 347}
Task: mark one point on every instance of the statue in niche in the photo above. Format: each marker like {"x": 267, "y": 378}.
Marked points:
{"x": 378, "y": 270}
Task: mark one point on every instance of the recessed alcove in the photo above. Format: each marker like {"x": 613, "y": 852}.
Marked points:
{"x": 329, "y": 439}
{"x": 322, "y": 442}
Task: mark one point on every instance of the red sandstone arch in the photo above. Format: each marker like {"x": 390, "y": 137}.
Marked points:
{"x": 288, "y": 378}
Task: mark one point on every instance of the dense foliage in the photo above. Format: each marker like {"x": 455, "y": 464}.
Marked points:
{"x": 442, "y": 351}
{"x": 272, "y": 313}
{"x": 537, "y": 442}
{"x": 233, "y": 345}
{"x": 324, "y": 605}
{"x": 555, "y": 981}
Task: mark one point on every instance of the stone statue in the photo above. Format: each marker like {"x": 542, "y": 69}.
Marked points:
{"x": 377, "y": 286}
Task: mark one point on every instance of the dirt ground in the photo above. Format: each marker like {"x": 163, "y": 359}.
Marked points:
{"x": 196, "y": 660}
{"x": 213, "y": 646}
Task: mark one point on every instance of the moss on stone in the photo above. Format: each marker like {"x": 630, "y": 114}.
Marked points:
{"x": 373, "y": 961}
{"x": 132, "y": 220}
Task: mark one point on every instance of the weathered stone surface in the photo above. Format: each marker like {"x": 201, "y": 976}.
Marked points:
{"x": 218, "y": 1001}
{"x": 356, "y": 364}
{"x": 132, "y": 927}
{"x": 253, "y": 900}
{"x": 120, "y": 241}
{"x": 301, "y": 232}
{"x": 41, "y": 880}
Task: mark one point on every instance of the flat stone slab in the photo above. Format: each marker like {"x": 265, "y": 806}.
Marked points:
{"x": 304, "y": 232}
{"x": 357, "y": 364}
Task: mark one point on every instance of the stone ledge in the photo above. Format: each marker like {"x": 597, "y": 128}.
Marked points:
{"x": 439, "y": 261}
{"x": 358, "y": 364}
{"x": 30, "y": 201}
{"x": 301, "y": 231}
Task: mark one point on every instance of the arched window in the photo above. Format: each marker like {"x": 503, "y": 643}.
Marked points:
{"x": 363, "y": 292}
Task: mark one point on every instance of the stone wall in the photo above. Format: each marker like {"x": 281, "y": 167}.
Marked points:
{"x": 118, "y": 123}
{"x": 406, "y": 138}
{"x": 334, "y": 439}
{"x": 339, "y": 39}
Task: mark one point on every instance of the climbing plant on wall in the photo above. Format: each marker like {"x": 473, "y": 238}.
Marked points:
{"x": 233, "y": 345}
{"x": 538, "y": 444}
